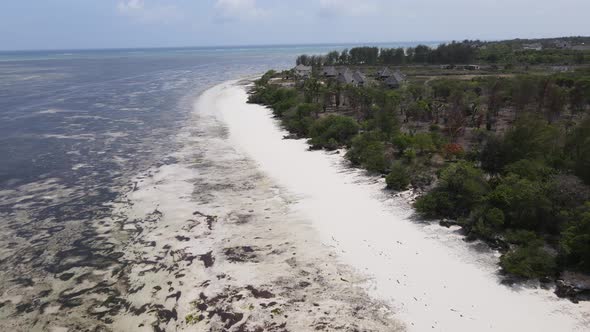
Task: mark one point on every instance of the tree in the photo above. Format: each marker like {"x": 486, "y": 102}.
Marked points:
{"x": 460, "y": 189}
{"x": 423, "y": 142}
{"x": 421, "y": 54}
{"x": 402, "y": 141}
{"x": 523, "y": 92}
{"x": 529, "y": 138}
{"x": 524, "y": 202}
{"x": 332, "y": 131}
{"x": 398, "y": 178}
{"x": 529, "y": 261}
{"x": 575, "y": 242}
{"x": 367, "y": 150}
{"x": 299, "y": 120}
{"x": 554, "y": 100}
{"x": 580, "y": 95}
{"x": 578, "y": 148}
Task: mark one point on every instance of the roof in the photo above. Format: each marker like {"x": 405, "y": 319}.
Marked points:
{"x": 385, "y": 72}
{"x": 396, "y": 79}
{"x": 359, "y": 77}
{"x": 346, "y": 77}
{"x": 330, "y": 71}
{"x": 301, "y": 67}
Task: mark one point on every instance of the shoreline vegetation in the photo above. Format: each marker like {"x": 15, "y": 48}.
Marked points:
{"x": 494, "y": 137}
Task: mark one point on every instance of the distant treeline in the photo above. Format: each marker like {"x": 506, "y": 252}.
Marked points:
{"x": 465, "y": 52}
{"x": 456, "y": 52}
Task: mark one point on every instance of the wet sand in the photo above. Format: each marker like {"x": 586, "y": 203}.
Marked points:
{"x": 204, "y": 241}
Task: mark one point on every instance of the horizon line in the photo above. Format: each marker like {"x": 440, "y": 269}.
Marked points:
{"x": 227, "y": 46}
{"x": 365, "y": 43}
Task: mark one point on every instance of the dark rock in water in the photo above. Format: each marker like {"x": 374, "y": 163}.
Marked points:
{"x": 241, "y": 254}
{"x": 207, "y": 259}
{"x": 510, "y": 280}
{"x": 26, "y": 282}
{"x": 565, "y": 290}
{"x": 166, "y": 315}
{"x": 174, "y": 296}
{"x": 260, "y": 293}
{"x": 209, "y": 219}
{"x": 448, "y": 223}
{"x": 498, "y": 244}
{"x": 573, "y": 287}
{"x": 304, "y": 284}
{"x": 229, "y": 318}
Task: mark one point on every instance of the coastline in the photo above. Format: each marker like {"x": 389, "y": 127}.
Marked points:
{"x": 417, "y": 267}
{"x": 217, "y": 247}
{"x": 242, "y": 230}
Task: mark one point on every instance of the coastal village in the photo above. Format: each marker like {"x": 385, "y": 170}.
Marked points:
{"x": 471, "y": 127}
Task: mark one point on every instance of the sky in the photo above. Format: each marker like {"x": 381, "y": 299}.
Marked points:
{"x": 81, "y": 24}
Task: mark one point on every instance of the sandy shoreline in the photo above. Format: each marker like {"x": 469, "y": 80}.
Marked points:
{"x": 234, "y": 255}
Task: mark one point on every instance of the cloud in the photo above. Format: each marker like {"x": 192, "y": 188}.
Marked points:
{"x": 332, "y": 8}
{"x": 229, "y": 10}
{"x": 151, "y": 13}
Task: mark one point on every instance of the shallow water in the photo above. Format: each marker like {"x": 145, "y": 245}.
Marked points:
{"x": 107, "y": 176}
{"x": 76, "y": 130}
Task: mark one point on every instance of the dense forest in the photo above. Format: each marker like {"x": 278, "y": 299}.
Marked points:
{"x": 465, "y": 52}
{"x": 505, "y": 157}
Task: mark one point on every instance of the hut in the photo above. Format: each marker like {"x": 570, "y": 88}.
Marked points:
{"x": 346, "y": 77}
{"x": 359, "y": 78}
{"x": 330, "y": 72}
{"x": 395, "y": 80}
{"x": 303, "y": 71}
{"x": 384, "y": 74}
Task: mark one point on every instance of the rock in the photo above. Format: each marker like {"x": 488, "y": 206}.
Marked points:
{"x": 448, "y": 223}
{"x": 573, "y": 286}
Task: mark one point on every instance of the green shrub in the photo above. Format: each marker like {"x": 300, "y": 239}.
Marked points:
{"x": 461, "y": 188}
{"x": 529, "y": 261}
{"x": 410, "y": 154}
{"x": 398, "y": 178}
{"x": 299, "y": 120}
{"x": 421, "y": 176}
{"x": 524, "y": 203}
{"x": 402, "y": 142}
{"x": 423, "y": 143}
{"x": 488, "y": 223}
{"x": 333, "y": 131}
{"x": 529, "y": 169}
{"x": 520, "y": 237}
{"x": 575, "y": 242}
{"x": 435, "y": 204}
{"x": 368, "y": 151}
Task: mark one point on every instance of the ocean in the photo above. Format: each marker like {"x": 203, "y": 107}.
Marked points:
{"x": 76, "y": 130}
